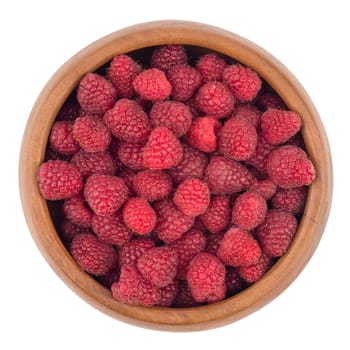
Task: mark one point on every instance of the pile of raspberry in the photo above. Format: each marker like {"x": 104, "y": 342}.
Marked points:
{"x": 178, "y": 184}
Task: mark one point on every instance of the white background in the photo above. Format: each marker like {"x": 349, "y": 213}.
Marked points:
{"x": 37, "y": 310}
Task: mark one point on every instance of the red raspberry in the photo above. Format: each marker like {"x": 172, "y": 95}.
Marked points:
{"x": 132, "y": 250}
{"x": 203, "y": 134}
{"x": 184, "y": 297}
{"x": 194, "y": 109}
{"x": 152, "y": 184}
{"x": 249, "y": 210}
{"x": 168, "y": 294}
{"x": 69, "y": 111}
{"x": 238, "y": 138}
{"x": 131, "y": 155}
{"x": 278, "y": 126}
{"x": 111, "y": 229}
{"x": 96, "y": 94}
{"x": 193, "y": 164}
{"x": 139, "y": 216}
{"x": 76, "y": 210}
{"x": 93, "y": 255}
{"x": 187, "y": 247}
{"x": 249, "y": 112}
{"x": 213, "y": 243}
{"x": 121, "y": 72}
{"x": 192, "y": 197}
{"x": 127, "y": 175}
{"x": 128, "y": 122}
{"x": 238, "y": 247}
{"x": 215, "y": 99}
{"x": 243, "y": 82}
{"x": 105, "y": 194}
{"x": 171, "y": 221}
{"x": 217, "y": 217}
{"x": 254, "y": 272}
{"x": 50, "y": 154}
{"x": 291, "y": 199}
{"x": 184, "y": 80}
{"x": 268, "y": 100}
{"x": 70, "y": 230}
{"x": 152, "y": 84}
{"x": 226, "y": 176}
{"x": 158, "y": 265}
{"x": 61, "y": 138}
{"x": 167, "y": 56}
{"x": 110, "y": 277}
{"x": 133, "y": 289}
{"x": 59, "y": 180}
{"x": 234, "y": 282}
{"x": 266, "y": 188}
{"x": 163, "y": 150}
{"x": 176, "y": 116}
{"x": 206, "y": 278}
{"x": 211, "y": 67}
{"x": 261, "y": 154}
{"x": 288, "y": 166}
{"x": 276, "y": 232}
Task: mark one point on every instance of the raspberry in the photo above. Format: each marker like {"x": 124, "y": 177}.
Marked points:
{"x": 261, "y": 154}
{"x": 238, "y": 247}
{"x": 192, "y": 197}
{"x": 193, "y": 164}
{"x": 70, "y": 230}
{"x": 152, "y": 84}
{"x": 238, "y": 138}
{"x": 288, "y": 166}
{"x": 76, "y": 210}
{"x": 249, "y": 112}
{"x": 268, "y": 100}
{"x": 184, "y": 297}
{"x": 171, "y": 221}
{"x": 203, "y": 134}
{"x": 276, "y": 232}
{"x": 61, "y": 138}
{"x": 50, "y": 154}
{"x": 93, "y": 255}
{"x": 111, "y": 229}
{"x": 158, "y": 265}
{"x": 121, "y": 72}
{"x": 139, "y": 216}
{"x": 249, "y": 210}
{"x": 206, "y": 278}
{"x": 242, "y": 81}
{"x": 254, "y": 272}
{"x": 127, "y": 176}
{"x": 69, "y": 111}
{"x": 167, "y": 56}
{"x": 217, "y": 217}
{"x": 184, "y": 80}
{"x": 59, "y": 180}
{"x": 163, "y": 150}
{"x": 213, "y": 243}
{"x": 93, "y": 163}
{"x": 152, "y": 184}
{"x": 132, "y": 250}
{"x": 131, "y": 155}
{"x": 215, "y": 99}
{"x": 278, "y": 126}
{"x": 291, "y": 199}
{"x": 211, "y": 67}
{"x": 187, "y": 247}
{"x": 168, "y": 294}
{"x": 194, "y": 109}
{"x": 110, "y": 277}
{"x": 176, "y": 116}
{"x": 234, "y": 282}
{"x": 96, "y": 94}
{"x": 266, "y": 188}
{"x": 128, "y": 122}
{"x": 133, "y": 289}
{"x": 226, "y": 176}
{"x": 105, "y": 194}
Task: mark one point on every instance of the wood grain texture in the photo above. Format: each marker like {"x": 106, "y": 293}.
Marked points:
{"x": 170, "y": 32}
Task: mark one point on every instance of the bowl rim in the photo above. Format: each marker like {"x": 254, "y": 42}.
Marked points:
{"x": 128, "y": 39}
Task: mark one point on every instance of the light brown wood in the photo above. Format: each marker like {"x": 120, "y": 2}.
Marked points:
{"x": 167, "y": 32}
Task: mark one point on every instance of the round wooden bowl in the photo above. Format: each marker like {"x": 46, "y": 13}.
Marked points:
{"x": 201, "y": 36}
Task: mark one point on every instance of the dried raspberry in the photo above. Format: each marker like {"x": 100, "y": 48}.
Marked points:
{"x": 184, "y": 297}
{"x": 152, "y": 84}
{"x": 276, "y": 232}
{"x": 105, "y": 194}
{"x": 278, "y": 126}
{"x": 128, "y": 122}
{"x": 211, "y": 67}
{"x": 261, "y": 154}
{"x": 152, "y": 184}
{"x": 69, "y": 111}
{"x": 254, "y": 272}
{"x": 215, "y": 99}
{"x": 121, "y": 72}
{"x": 168, "y": 294}
{"x": 167, "y": 56}
{"x": 139, "y": 216}
{"x": 163, "y": 150}
{"x": 93, "y": 255}
{"x": 266, "y": 188}
{"x": 61, "y": 138}
{"x": 184, "y": 80}
{"x": 70, "y": 230}
{"x": 238, "y": 247}
{"x": 132, "y": 250}
{"x": 213, "y": 243}
{"x": 158, "y": 265}
{"x": 96, "y": 94}
{"x": 76, "y": 210}
{"x": 249, "y": 112}
{"x": 59, "y": 180}
{"x": 288, "y": 166}
{"x": 131, "y": 155}
{"x": 242, "y": 81}
{"x": 206, "y": 278}
{"x": 176, "y": 116}
{"x": 291, "y": 199}
{"x": 268, "y": 100}
{"x": 203, "y": 134}
{"x": 234, "y": 282}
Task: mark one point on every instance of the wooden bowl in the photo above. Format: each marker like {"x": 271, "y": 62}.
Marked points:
{"x": 199, "y": 35}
